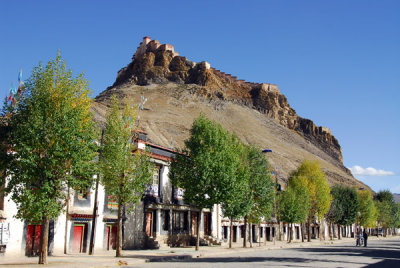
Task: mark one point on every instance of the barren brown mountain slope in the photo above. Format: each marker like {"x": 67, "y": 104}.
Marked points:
{"x": 178, "y": 90}
{"x": 171, "y": 108}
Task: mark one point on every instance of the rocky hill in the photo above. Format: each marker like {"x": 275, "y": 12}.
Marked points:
{"x": 178, "y": 90}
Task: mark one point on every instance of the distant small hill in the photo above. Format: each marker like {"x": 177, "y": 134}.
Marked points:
{"x": 396, "y": 198}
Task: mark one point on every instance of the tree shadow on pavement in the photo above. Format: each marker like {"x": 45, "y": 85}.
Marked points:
{"x": 389, "y": 255}
{"x": 296, "y": 261}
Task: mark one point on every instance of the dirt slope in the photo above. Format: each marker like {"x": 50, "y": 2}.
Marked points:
{"x": 171, "y": 108}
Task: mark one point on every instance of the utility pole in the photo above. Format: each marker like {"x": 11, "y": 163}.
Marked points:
{"x": 96, "y": 204}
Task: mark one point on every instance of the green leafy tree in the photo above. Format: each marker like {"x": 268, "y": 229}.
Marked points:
{"x": 397, "y": 216}
{"x": 294, "y": 203}
{"x": 345, "y": 204}
{"x": 387, "y": 210}
{"x": 209, "y": 175}
{"x": 125, "y": 172}
{"x": 366, "y": 208}
{"x": 237, "y": 204}
{"x": 50, "y": 137}
{"x": 318, "y": 191}
{"x": 372, "y": 223}
{"x": 260, "y": 192}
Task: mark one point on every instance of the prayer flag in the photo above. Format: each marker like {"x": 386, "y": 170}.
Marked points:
{"x": 20, "y": 76}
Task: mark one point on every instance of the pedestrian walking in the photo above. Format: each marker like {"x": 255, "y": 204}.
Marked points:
{"x": 365, "y": 235}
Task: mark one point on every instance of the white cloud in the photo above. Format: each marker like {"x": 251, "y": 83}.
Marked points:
{"x": 369, "y": 171}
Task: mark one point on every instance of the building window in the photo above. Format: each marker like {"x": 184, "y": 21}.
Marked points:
{"x": 261, "y": 232}
{"x": 152, "y": 188}
{"x": 166, "y": 220}
{"x": 112, "y": 202}
{"x": 156, "y": 175}
{"x": 225, "y": 232}
{"x": 179, "y": 220}
{"x": 83, "y": 194}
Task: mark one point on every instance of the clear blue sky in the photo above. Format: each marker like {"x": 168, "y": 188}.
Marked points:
{"x": 337, "y": 62}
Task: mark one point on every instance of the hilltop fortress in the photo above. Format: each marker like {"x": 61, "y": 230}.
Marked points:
{"x": 156, "y": 63}
{"x": 154, "y": 46}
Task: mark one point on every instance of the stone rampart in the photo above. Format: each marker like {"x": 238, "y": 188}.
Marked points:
{"x": 233, "y": 79}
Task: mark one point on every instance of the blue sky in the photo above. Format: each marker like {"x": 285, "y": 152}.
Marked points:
{"x": 337, "y": 62}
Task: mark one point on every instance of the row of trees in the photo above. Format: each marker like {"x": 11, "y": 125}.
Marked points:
{"x": 50, "y": 147}
{"x": 309, "y": 198}
{"x": 216, "y": 168}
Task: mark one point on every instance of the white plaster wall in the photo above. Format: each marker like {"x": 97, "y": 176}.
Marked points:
{"x": 15, "y": 245}
{"x": 99, "y": 240}
{"x": 59, "y": 232}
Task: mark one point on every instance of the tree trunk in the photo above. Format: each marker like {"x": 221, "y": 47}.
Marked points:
{"x": 330, "y": 231}
{"x": 259, "y": 234}
{"x": 290, "y": 233}
{"x": 44, "y": 241}
{"x": 66, "y": 222}
{"x": 245, "y": 232}
{"x": 338, "y": 232}
{"x": 309, "y": 230}
{"x": 198, "y": 231}
{"x": 231, "y": 233}
{"x": 251, "y": 234}
{"x": 119, "y": 230}
{"x": 94, "y": 216}
{"x": 321, "y": 227}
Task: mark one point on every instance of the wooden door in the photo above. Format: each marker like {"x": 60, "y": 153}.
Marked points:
{"x": 111, "y": 237}
{"x": 207, "y": 223}
{"x": 113, "y": 242}
{"x": 77, "y": 238}
{"x": 108, "y": 231}
{"x": 234, "y": 233}
{"x": 32, "y": 240}
{"x": 30, "y": 236}
{"x": 194, "y": 223}
{"x": 149, "y": 223}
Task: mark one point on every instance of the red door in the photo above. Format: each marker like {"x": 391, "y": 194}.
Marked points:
{"x": 77, "y": 239}
{"x": 111, "y": 237}
{"x": 149, "y": 223}
{"x": 114, "y": 237}
{"x": 32, "y": 240}
{"x": 108, "y": 237}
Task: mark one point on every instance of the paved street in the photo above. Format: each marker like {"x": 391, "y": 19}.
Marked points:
{"x": 382, "y": 252}
{"x": 379, "y": 253}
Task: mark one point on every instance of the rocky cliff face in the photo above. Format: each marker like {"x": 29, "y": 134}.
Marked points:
{"x": 159, "y": 64}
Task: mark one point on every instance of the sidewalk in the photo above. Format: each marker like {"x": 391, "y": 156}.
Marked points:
{"x": 135, "y": 257}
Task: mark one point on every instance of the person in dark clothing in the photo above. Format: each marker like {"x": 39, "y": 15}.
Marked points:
{"x": 365, "y": 235}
